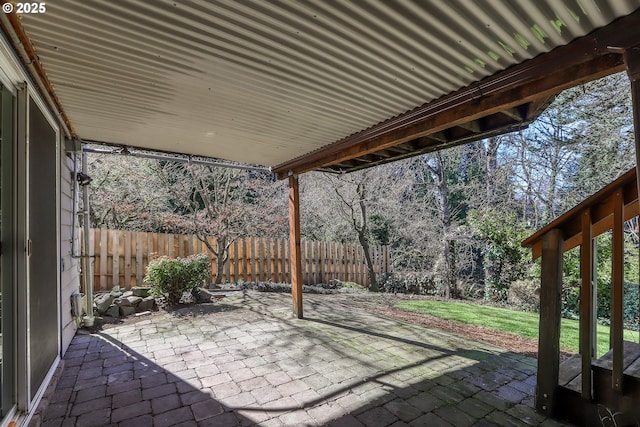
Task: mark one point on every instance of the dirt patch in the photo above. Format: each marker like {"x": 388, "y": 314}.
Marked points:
{"x": 511, "y": 342}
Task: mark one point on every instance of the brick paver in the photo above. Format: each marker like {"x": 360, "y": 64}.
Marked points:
{"x": 245, "y": 361}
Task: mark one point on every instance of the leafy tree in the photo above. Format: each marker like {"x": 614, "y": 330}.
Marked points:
{"x": 379, "y": 229}
{"x": 499, "y": 235}
{"x": 604, "y": 126}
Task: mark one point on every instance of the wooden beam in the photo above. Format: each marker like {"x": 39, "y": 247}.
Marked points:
{"x": 513, "y": 113}
{"x": 617, "y": 290}
{"x": 497, "y": 125}
{"x": 584, "y": 59}
{"x": 550, "y": 315}
{"x": 472, "y": 126}
{"x": 586, "y": 321}
{"x": 294, "y": 244}
{"x": 439, "y": 136}
{"x": 453, "y": 110}
{"x": 537, "y": 106}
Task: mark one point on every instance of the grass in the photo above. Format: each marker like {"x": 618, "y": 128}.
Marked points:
{"x": 515, "y": 322}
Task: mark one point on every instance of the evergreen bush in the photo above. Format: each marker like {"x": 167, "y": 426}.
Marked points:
{"x": 171, "y": 277}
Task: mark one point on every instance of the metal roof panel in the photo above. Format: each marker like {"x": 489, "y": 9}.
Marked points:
{"x": 268, "y": 81}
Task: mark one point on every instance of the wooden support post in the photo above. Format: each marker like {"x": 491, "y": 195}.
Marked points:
{"x": 632, "y": 61}
{"x": 594, "y": 298}
{"x": 617, "y": 279}
{"x": 586, "y": 311}
{"x": 294, "y": 245}
{"x": 550, "y": 315}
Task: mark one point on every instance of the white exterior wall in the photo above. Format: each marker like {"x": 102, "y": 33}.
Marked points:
{"x": 67, "y": 279}
{"x": 70, "y": 266}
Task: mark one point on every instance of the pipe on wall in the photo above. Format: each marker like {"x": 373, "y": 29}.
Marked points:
{"x": 88, "y": 261}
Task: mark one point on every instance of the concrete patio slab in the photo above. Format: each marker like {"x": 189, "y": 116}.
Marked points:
{"x": 245, "y": 360}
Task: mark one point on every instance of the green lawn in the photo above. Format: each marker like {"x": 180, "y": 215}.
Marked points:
{"x": 512, "y": 321}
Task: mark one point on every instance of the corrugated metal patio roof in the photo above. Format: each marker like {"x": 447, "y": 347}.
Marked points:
{"x": 266, "y": 82}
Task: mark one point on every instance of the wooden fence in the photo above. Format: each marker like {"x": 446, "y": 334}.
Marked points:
{"x": 121, "y": 258}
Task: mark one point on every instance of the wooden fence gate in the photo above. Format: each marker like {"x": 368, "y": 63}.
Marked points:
{"x": 121, "y": 258}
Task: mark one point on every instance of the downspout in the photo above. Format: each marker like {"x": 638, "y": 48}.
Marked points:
{"x": 88, "y": 261}
{"x": 74, "y": 196}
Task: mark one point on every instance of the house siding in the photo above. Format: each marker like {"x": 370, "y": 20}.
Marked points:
{"x": 28, "y": 366}
{"x": 70, "y": 266}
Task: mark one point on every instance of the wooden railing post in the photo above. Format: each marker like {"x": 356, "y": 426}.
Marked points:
{"x": 617, "y": 285}
{"x": 586, "y": 308}
{"x": 606, "y": 210}
{"x": 550, "y": 315}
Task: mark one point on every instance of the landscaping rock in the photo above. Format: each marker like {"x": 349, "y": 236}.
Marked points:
{"x": 122, "y": 302}
{"x": 103, "y": 301}
{"x": 113, "y": 311}
{"x": 135, "y": 300}
{"x": 127, "y": 310}
{"x": 202, "y": 295}
{"x": 107, "y": 304}
{"x": 140, "y": 291}
{"x": 147, "y": 304}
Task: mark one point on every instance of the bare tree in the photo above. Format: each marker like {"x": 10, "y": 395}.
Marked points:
{"x": 352, "y": 197}
{"x": 122, "y": 193}
{"x": 436, "y": 165}
{"x": 214, "y": 202}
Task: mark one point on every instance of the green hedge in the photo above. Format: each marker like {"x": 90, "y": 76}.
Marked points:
{"x": 171, "y": 277}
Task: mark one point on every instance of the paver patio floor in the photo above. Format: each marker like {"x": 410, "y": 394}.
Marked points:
{"x": 245, "y": 360}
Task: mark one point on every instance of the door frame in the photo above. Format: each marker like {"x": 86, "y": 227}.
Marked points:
{"x": 24, "y": 299}
{"x": 16, "y": 79}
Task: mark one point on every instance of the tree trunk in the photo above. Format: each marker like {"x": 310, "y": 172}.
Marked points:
{"x": 221, "y": 258}
{"x": 491, "y": 167}
{"x": 220, "y": 251}
{"x": 448, "y": 249}
{"x": 364, "y": 241}
{"x": 549, "y": 211}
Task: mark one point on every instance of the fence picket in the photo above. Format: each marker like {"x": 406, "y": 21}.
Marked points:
{"x": 121, "y": 258}
{"x": 284, "y": 251}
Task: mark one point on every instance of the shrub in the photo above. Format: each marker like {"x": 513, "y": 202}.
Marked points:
{"x": 171, "y": 277}
{"x": 630, "y": 300}
{"x": 307, "y": 289}
{"x": 409, "y": 283}
{"x": 524, "y": 294}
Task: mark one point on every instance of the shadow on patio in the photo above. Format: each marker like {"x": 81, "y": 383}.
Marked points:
{"x": 247, "y": 362}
